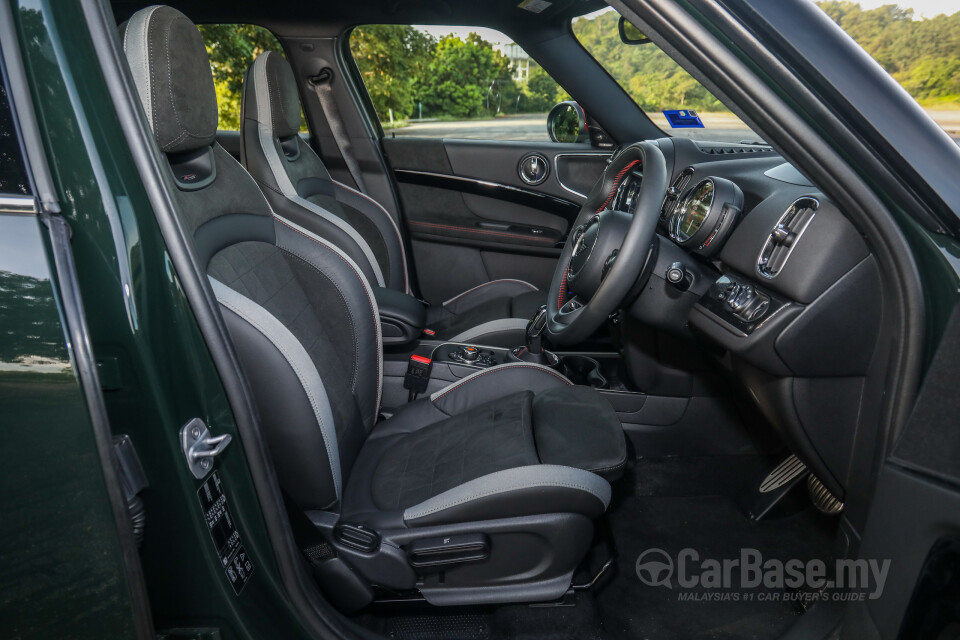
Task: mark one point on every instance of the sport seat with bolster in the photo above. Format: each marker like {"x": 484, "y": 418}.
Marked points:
{"x": 510, "y": 465}
{"x": 299, "y": 188}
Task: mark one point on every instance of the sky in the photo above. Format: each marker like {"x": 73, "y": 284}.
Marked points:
{"x": 921, "y": 9}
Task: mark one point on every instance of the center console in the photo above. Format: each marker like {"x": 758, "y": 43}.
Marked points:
{"x": 596, "y": 370}
{"x": 663, "y": 423}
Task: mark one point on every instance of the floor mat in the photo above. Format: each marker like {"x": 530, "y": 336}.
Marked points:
{"x": 691, "y": 503}
{"x": 668, "y": 504}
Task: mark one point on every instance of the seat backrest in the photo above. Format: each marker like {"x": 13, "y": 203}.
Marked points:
{"x": 297, "y": 183}
{"x": 303, "y": 320}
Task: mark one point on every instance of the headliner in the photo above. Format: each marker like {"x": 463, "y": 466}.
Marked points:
{"x": 296, "y": 17}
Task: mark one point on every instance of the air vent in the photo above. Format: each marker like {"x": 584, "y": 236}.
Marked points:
{"x": 722, "y": 149}
{"x": 784, "y": 237}
{"x": 674, "y": 192}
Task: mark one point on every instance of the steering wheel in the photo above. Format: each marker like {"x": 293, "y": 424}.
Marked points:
{"x": 606, "y": 250}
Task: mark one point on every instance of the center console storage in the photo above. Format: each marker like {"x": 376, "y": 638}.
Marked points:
{"x": 402, "y": 317}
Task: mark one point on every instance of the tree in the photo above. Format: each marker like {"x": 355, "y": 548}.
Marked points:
{"x": 232, "y": 49}
{"x": 465, "y": 78}
{"x": 932, "y": 78}
{"x": 645, "y": 72}
{"x": 391, "y": 60}
{"x": 541, "y": 91}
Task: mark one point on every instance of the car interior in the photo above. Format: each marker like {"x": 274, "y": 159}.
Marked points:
{"x": 489, "y": 385}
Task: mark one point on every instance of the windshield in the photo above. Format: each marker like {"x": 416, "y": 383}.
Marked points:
{"x": 919, "y": 47}
{"x": 670, "y": 96}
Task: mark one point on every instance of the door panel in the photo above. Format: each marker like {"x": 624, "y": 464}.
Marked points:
{"x": 473, "y": 219}
{"x": 498, "y": 160}
{"x": 915, "y": 515}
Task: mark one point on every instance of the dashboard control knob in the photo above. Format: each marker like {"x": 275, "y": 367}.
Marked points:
{"x": 746, "y": 303}
{"x": 678, "y": 276}
{"x": 741, "y": 296}
{"x": 469, "y": 353}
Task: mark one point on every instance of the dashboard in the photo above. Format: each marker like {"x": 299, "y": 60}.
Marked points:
{"x": 777, "y": 281}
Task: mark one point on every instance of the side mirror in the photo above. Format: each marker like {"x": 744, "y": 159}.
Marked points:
{"x": 629, "y": 34}
{"x": 567, "y": 122}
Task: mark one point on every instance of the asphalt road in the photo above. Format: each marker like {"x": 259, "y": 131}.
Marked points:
{"x": 721, "y": 127}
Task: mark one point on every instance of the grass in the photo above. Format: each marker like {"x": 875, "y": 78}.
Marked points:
{"x": 943, "y": 103}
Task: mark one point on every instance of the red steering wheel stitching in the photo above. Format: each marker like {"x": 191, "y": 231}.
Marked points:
{"x": 562, "y": 298}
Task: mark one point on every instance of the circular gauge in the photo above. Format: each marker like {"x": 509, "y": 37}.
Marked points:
{"x": 693, "y": 211}
{"x": 705, "y": 215}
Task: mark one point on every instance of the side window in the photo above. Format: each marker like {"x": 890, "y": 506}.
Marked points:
{"x": 452, "y": 82}
{"x": 232, "y": 49}
{"x": 13, "y": 174}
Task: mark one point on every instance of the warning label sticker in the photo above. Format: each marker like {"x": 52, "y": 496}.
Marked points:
{"x": 234, "y": 558}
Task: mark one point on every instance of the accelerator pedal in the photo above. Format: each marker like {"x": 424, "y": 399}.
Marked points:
{"x": 777, "y": 485}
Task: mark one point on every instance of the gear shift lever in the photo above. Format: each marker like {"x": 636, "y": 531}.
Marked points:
{"x": 535, "y": 331}
{"x": 534, "y": 350}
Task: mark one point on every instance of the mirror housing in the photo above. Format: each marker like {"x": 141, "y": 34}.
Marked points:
{"x": 567, "y": 122}
{"x": 629, "y": 34}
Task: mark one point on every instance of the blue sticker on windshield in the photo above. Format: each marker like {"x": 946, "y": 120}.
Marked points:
{"x": 683, "y": 119}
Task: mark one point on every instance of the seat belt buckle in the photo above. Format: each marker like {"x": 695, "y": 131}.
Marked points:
{"x": 418, "y": 375}
{"x": 429, "y": 334}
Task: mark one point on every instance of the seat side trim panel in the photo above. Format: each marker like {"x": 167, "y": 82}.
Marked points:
{"x": 513, "y": 480}
{"x": 266, "y": 139}
{"x": 299, "y": 361}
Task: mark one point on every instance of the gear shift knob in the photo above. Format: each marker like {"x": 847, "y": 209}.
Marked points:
{"x": 534, "y": 351}
{"x": 535, "y": 331}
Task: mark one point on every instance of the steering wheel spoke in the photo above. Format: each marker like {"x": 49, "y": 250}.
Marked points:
{"x": 571, "y": 306}
{"x": 606, "y": 250}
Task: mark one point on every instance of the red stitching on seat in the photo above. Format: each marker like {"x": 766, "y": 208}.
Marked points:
{"x": 505, "y": 368}
{"x": 403, "y": 251}
{"x": 485, "y": 284}
{"x": 366, "y": 291}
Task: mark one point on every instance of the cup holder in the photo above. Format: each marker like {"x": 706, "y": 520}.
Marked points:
{"x": 584, "y": 371}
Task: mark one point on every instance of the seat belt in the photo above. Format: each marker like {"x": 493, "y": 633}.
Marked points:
{"x": 321, "y": 83}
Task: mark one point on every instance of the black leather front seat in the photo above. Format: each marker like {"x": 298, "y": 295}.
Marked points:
{"x": 512, "y": 458}
{"x": 299, "y": 188}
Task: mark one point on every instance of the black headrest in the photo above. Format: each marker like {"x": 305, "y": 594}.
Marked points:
{"x": 270, "y": 95}
{"x": 172, "y": 72}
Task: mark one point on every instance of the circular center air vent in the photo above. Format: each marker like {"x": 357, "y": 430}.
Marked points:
{"x": 533, "y": 169}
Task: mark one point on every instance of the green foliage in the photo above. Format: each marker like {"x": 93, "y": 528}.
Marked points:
{"x": 465, "y": 78}
{"x": 391, "y": 59}
{"x": 232, "y": 49}
{"x": 651, "y": 78}
{"x": 452, "y": 77}
{"x": 923, "y": 55}
{"x": 541, "y": 91}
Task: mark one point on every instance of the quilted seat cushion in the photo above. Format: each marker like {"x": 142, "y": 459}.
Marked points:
{"x": 492, "y": 437}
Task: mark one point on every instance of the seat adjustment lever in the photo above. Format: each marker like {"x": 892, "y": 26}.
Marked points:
{"x": 448, "y": 550}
